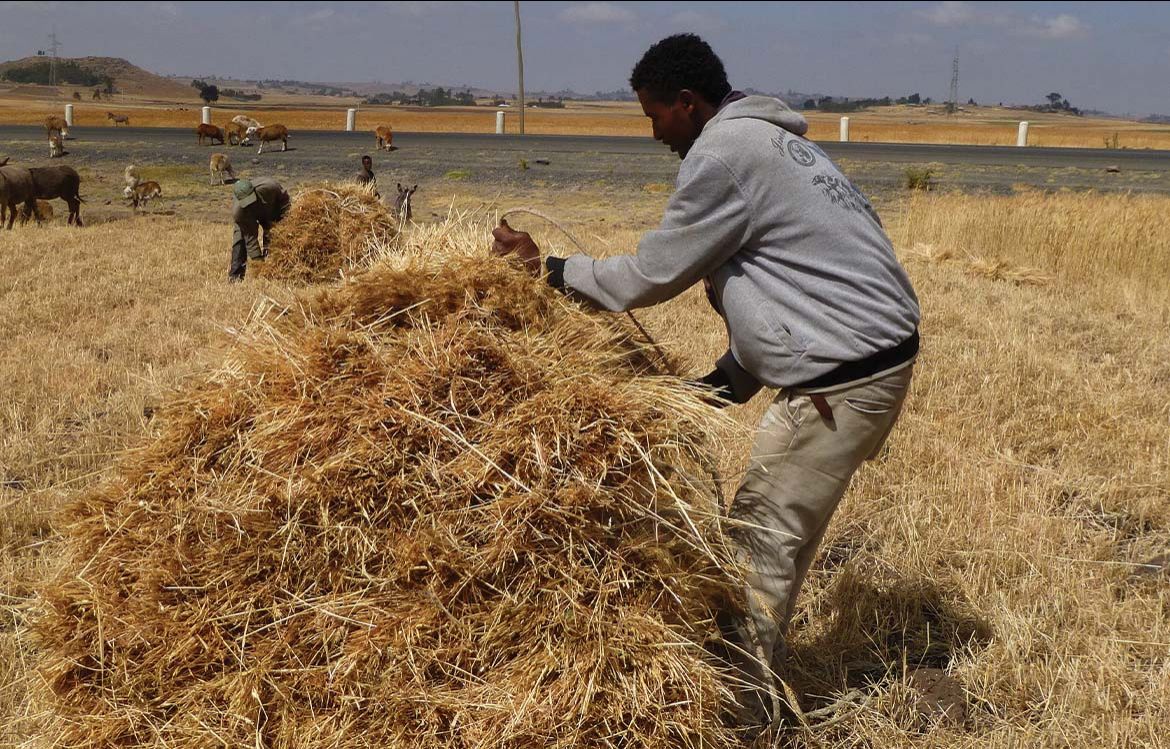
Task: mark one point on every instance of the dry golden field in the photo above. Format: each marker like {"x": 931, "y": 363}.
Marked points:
{"x": 898, "y": 124}
{"x": 1003, "y": 537}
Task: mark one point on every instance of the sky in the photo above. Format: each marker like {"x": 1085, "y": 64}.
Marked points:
{"x": 1108, "y": 56}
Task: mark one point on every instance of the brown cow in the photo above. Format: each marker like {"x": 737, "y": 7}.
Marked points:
{"x": 56, "y": 124}
{"x": 383, "y": 135}
{"x": 269, "y": 134}
{"x": 209, "y": 131}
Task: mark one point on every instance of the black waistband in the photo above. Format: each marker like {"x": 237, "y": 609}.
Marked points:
{"x": 857, "y": 370}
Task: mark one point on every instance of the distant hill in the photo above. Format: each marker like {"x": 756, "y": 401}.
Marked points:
{"x": 128, "y": 78}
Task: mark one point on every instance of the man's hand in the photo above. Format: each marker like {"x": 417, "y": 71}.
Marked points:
{"x": 518, "y": 244}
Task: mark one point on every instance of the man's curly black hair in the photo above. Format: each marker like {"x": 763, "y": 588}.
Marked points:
{"x": 678, "y": 62}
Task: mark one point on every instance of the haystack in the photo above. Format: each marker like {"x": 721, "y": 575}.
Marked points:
{"x": 329, "y": 228}
{"x": 435, "y": 506}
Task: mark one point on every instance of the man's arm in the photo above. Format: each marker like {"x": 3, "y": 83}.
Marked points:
{"x": 730, "y": 381}
{"x": 707, "y": 221}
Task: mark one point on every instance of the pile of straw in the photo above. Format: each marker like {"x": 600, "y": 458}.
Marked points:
{"x": 435, "y": 506}
{"x": 328, "y": 229}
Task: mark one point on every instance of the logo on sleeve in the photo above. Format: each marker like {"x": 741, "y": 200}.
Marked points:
{"x": 801, "y": 153}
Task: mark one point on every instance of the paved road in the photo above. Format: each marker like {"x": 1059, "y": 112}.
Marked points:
{"x": 559, "y": 162}
{"x": 571, "y": 144}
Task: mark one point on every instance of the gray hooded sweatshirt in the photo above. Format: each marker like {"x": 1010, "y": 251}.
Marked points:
{"x": 802, "y": 271}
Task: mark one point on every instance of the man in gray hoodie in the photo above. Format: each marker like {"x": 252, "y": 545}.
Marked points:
{"x": 795, "y": 260}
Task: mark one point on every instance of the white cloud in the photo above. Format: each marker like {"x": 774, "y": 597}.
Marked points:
{"x": 696, "y": 21}
{"x": 1063, "y": 26}
{"x": 950, "y": 13}
{"x": 597, "y": 13}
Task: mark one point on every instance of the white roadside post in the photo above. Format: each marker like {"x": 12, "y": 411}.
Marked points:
{"x": 844, "y": 129}
{"x": 69, "y": 115}
{"x": 1022, "y": 134}
{"x": 207, "y": 115}
{"x": 350, "y": 120}
{"x": 499, "y": 122}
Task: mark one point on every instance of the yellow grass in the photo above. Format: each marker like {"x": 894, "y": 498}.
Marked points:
{"x": 980, "y": 126}
{"x": 1000, "y": 537}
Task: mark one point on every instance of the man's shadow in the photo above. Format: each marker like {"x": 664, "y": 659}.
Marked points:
{"x": 879, "y": 630}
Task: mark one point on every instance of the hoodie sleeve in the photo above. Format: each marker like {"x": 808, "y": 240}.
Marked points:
{"x": 706, "y": 222}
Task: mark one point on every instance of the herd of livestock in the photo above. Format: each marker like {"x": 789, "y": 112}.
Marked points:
{"x": 25, "y": 190}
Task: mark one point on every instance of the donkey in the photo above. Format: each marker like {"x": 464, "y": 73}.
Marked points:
{"x": 402, "y": 202}
{"x": 119, "y": 119}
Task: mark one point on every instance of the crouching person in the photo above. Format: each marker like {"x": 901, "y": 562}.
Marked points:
{"x": 257, "y": 204}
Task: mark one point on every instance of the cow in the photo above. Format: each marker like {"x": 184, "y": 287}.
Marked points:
{"x": 270, "y": 134}
{"x": 209, "y": 132}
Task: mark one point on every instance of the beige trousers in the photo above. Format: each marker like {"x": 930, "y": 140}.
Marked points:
{"x": 801, "y": 465}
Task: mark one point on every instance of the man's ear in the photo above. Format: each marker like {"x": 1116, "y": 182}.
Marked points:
{"x": 686, "y": 98}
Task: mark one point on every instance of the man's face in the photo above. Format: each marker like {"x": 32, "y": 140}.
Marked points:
{"x": 367, "y": 163}
{"x": 673, "y": 124}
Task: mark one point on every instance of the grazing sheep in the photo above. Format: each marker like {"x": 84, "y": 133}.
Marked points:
{"x": 55, "y": 123}
{"x": 219, "y": 165}
{"x": 130, "y": 176}
{"x": 59, "y": 182}
{"x": 270, "y": 134}
{"x": 56, "y": 146}
{"x": 119, "y": 119}
{"x": 16, "y": 188}
{"x": 143, "y": 192}
{"x": 209, "y": 131}
{"x": 383, "y": 135}
{"x": 402, "y": 202}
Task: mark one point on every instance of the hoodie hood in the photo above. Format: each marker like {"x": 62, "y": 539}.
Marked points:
{"x": 766, "y": 108}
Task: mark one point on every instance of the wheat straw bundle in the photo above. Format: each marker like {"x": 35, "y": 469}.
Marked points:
{"x": 328, "y": 229}
{"x": 435, "y": 506}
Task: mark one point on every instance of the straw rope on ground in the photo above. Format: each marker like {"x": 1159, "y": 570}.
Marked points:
{"x": 435, "y": 506}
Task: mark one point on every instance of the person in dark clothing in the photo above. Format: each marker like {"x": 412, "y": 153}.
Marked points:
{"x": 366, "y": 175}
{"x": 257, "y": 204}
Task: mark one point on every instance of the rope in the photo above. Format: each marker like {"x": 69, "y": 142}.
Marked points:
{"x": 711, "y": 465}
{"x": 645, "y": 333}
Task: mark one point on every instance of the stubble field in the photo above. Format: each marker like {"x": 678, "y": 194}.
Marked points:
{"x": 1015, "y": 535}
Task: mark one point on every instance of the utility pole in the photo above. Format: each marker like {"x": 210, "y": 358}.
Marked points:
{"x": 953, "y": 104}
{"x": 520, "y": 60}
{"x": 54, "y": 45}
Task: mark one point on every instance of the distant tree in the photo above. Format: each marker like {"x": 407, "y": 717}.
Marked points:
{"x": 1054, "y": 99}
{"x": 209, "y": 94}
{"x": 913, "y": 99}
{"x": 810, "y": 104}
{"x": 198, "y": 83}
{"x": 971, "y": 102}
{"x": 928, "y": 100}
